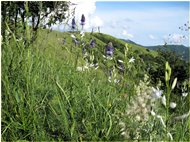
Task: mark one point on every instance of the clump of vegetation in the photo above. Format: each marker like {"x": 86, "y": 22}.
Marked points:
{"x": 89, "y": 87}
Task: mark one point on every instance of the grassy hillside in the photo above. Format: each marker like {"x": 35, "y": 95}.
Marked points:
{"x": 56, "y": 39}
{"x": 51, "y": 91}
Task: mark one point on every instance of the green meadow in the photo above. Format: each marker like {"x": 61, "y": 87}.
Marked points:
{"x": 53, "y": 89}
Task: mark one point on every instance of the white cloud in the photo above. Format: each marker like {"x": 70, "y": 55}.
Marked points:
{"x": 83, "y": 7}
{"x": 175, "y": 38}
{"x": 151, "y": 37}
{"x": 125, "y": 33}
{"x": 96, "y": 22}
{"x": 113, "y": 24}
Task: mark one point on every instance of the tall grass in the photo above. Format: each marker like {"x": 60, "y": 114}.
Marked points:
{"x": 45, "y": 98}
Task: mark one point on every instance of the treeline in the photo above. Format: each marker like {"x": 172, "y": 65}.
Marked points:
{"x": 17, "y": 15}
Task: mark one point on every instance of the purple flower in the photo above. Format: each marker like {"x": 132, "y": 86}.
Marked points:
{"x": 92, "y": 43}
{"x": 121, "y": 68}
{"x": 83, "y": 20}
{"x": 109, "y": 49}
{"x": 110, "y": 72}
{"x": 73, "y": 23}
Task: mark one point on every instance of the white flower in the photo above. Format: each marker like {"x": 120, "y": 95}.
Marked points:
{"x": 109, "y": 79}
{"x": 173, "y": 105}
{"x": 138, "y": 118}
{"x": 184, "y": 94}
{"x": 109, "y": 58}
{"x": 104, "y": 56}
{"x": 86, "y": 67}
{"x": 123, "y": 133}
{"x": 96, "y": 67}
{"x": 82, "y": 34}
{"x": 131, "y": 60}
{"x": 91, "y": 65}
{"x": 122, "y": 124}
{"x": 157, "y": 93}
{"x": 48, "y": 10}
{"x": 79, "y": 68}
{"x": 73, "y": 36}
{"x": 153, "y": 113}
{"x": 116, "y": 81}
{"x": 164, "y": 100}
{"x": 120, "y": 61}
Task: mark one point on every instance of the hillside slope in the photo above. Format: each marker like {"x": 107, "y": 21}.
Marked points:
{"x": 60, "y": 40}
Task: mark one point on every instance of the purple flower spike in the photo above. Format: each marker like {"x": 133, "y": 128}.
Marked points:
{"x": 109, "y": 49}
{"x": 92, "y": 43}
{"x": 73, "y": 23}
{"x": 83, "y": 51}
{"x": 83, "y": 20}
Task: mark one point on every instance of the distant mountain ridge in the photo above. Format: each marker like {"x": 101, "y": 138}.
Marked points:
{"x": 180, "y": 50}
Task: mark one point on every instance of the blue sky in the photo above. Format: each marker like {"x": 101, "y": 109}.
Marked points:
{"x": 147, "y": 23}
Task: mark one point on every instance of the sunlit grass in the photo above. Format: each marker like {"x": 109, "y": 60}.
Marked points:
{"x": 45, "y": 98}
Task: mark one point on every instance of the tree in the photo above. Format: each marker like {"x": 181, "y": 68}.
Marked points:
{"x": 40, "y": 14}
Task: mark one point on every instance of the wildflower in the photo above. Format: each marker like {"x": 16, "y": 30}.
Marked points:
{"x": 73, "y": 23}
{"x": 121, "y": 68}
{"x": 124, "y": 134}
{"x": 96, "y": 66}
{"x": 173, "y": 105}
{"x": 91, "y": 65}
{"x": 80, "y": 69}
{"x": 157, "y": 93}
{"x": 138, "y": 118}
{"x": 122, "y": 124}
{"x": 83, "y": 51}
{"x": 131, "y": 60}
{"x": 184, "y": 94}
{"x": 82, "y": 34}
{"x": 109, "y": 58}
{"x": 109, "y": 49}
{"x": 73, "y": 36}
{"x": 82, "y": 20}
{"x": 120, "y": 61}
{"x": 86, "y": 67}
{"x": 152, "y": 113}
{"x": 116, "y": 81}
{"x": 109, "y": 78}
{"x": 92, "y": 43}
